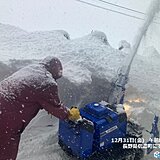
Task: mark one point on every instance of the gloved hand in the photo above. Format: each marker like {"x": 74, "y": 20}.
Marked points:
{"x": 74, "y": 114}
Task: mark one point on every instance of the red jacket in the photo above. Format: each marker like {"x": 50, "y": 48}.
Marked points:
{"x": 23, "y": 94}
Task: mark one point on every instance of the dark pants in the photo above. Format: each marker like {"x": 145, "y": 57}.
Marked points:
{"x": 9, "y": 146}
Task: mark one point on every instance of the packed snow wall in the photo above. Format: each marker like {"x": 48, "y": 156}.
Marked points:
{"x": 89, "y": 63}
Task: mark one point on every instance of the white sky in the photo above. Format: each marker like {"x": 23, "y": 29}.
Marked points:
{"x": 76, "y": 18}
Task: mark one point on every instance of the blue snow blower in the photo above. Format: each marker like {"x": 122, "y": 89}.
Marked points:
{"x": 94, "y": 132}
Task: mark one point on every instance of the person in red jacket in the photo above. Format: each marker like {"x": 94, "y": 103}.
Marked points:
{"x": 22, "y": 95}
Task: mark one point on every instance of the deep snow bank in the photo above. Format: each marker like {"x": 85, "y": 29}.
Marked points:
{"x": 86, "y": 60}
{"x": 18, "y": 44}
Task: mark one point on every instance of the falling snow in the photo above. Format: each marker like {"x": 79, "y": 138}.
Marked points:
{"x": 82, "y": 58}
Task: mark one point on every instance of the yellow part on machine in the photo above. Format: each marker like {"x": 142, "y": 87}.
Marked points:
{"x": 74, "y": 113}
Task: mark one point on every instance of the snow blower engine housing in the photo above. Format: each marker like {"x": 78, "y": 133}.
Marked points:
{"x": 95, "y": 131}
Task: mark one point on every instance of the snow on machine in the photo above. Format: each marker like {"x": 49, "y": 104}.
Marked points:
{"x": 101, "y": 134}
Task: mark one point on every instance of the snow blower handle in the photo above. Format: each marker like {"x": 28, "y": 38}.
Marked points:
{"x": 74, "y": 114}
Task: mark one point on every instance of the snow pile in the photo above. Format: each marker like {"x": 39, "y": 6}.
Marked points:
{"x": 39, "y": 140}
{"x": 18, "y": 44}
{"x": 89, "y": 55}
{"x": 11, "y": 31}
{"x": 85, "y": 58}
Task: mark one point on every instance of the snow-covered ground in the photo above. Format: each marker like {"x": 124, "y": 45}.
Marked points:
{"x": 39, "y": 140}
{"x": 90, "y": 64}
